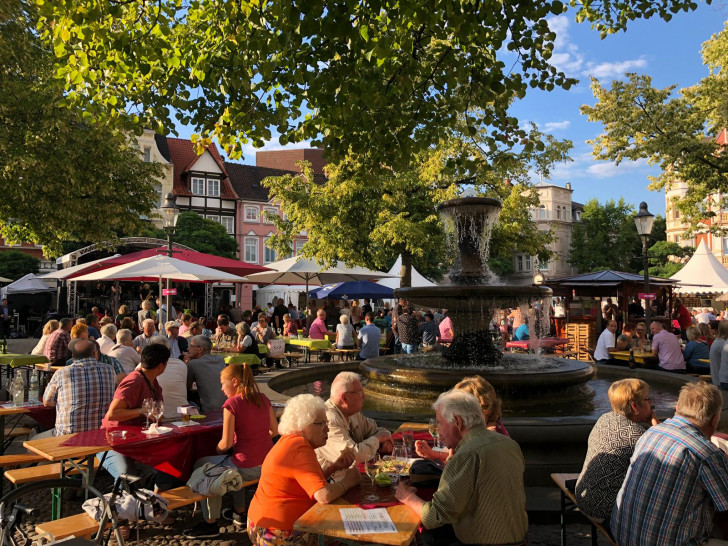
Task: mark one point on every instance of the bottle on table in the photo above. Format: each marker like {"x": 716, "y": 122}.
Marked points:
{"x": 18, "y": 390}
{"x": 632, "y": 361}
{"x": 34, "y": 388}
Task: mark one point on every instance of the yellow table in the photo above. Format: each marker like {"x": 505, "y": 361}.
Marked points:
{"x": 16, "y": 360}
{"x": 645, "y": 360}
{"x": 324, "y": 520}
{"x": 242, "y": 358}
{"x": 308, "y": 345}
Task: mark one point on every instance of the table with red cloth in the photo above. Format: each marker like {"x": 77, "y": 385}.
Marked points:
{"x": 544, "y": 343}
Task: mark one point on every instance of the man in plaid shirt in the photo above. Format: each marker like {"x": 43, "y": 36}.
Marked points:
{"x": 80, "y": 392}
{"x": 677, "y": 479}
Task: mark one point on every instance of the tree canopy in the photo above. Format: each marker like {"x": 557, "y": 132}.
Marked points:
{"x": 62, "y": 177}
{"x": 14, "y": 264}
{"x": 674, "y": 129}
{"x": 200, "y": 234}
{"x": 606, "y": 238}
{"x": 666, "y": 258}
{"x": 364, "y": 215}
{"x": 382, "y": 79}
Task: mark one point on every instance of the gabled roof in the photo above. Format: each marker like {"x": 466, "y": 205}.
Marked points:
{"x": 183, "y": 156}
{"x": 703, "y": 270}
{"x": 246, "y": 180}
{"x": 161, "y": 142}
{"x": 607, "y": 277}
{"x": 722, "y": 139}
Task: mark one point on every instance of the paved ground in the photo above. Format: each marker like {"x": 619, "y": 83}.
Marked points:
{"x": 543, "y": 531}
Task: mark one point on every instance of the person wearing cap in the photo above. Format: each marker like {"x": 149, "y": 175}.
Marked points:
{"x": 177, "y": 344}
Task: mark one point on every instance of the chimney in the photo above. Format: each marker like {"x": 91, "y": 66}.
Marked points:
{"x": 568, "y": 185}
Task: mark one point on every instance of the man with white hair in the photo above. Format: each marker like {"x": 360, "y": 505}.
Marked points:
{"x": 177, "y": 344}
{"x": 107, "y": 339}
{"x": 348, "y": 428}
{"x": 124, "y": 351}
{"x": 149, "y": 330}
{"x": 481, "y": 498}
{"x": 677, "y": 479}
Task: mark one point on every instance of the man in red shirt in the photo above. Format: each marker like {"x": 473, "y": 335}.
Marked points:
{"x": 682, "y": 315}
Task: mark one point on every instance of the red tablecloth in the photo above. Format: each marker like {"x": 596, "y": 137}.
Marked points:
{"x": 173, "y": 453}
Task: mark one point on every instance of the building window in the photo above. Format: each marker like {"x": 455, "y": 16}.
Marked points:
{"x": 528, "y": 263}
{"x": 213, "y": 188}
{"x": 269, "y": 210}
{"x": 252, "y": 214}
{"x": 251, "y": 250}
{"x": 269, "y": 255}
{"x": 147, "y": 154}
{"x": 675, "y": 213}
{"x": 299, "y": 247}
{"x": 542, "y": 212}
{"x": 198, "y": 186}
{"x": 519, "y": 262}
{"x": 543, "y": 266}
{"x": 228, "y": 223}
{"x": 577, "y": 215}
{"x": 213, "y": 217}
{"x": 558, "y": 213}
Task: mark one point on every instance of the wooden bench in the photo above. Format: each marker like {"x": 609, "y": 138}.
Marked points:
{"x": 570, "y": 506}
{"x": 84, "y": 526}
{"x": 293, "y": 358}
{"x": 21, "y": 476}
{"x": 20, "y": 459}
{"x": 16, "y": 432}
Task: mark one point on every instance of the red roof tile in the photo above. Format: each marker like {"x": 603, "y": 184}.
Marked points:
{"x": 722, "y": 139}
{"x": 183, "y": 157}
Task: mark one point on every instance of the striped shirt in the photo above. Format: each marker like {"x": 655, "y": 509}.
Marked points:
{"x": 82, "y": 392}
{"x": 676, "y": 481}
{"x": 481, "y": 491}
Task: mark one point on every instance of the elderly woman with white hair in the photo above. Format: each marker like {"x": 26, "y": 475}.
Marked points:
{"x": 291, "y": 479}
{"x": 344, "y": 333}
{"x": 108, "y": 338}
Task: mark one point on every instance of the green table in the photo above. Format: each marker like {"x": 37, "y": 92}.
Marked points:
{"x": 243, "y": 358}
{"x": 262, "y": 349}
{"x": 309, "y": 344}
{"x": 15, "y": 360}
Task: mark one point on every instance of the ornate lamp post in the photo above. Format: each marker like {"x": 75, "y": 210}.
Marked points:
{"x": 170, "y": 213}
{"x": 644, "y": 220}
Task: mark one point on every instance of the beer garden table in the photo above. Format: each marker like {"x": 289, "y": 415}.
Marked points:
{"x": 644, "y": 359}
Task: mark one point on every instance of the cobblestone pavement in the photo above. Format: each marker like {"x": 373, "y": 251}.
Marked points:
{"x": 158, "y": 535}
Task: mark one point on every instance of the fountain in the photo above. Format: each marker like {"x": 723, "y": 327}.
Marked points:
{"x": 472, "y": 299}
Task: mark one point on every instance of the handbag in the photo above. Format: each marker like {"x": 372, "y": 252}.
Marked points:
{"x": 145, "y": 506}
{"x": 276, "y": 348}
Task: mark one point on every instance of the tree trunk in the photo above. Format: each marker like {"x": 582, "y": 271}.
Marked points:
{"x": 405, "y": 273}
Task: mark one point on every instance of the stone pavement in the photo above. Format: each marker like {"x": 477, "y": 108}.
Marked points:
{"x": 544, "y": 533}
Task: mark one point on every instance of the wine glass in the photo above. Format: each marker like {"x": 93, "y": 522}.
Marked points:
{"x": 158, "y": 411}
{"x": 147, "y": 410}
{"x": 434, "y": 428}
{"x": 372, "y": 469}
{"x": 408, "y": 440}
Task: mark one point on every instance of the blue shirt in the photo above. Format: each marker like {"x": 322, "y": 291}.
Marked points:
{"x": 369, "y": 336}
{"x": 676, "y": 480}
{"x": 695, "y": 351}
{"x": 521, "y": 333}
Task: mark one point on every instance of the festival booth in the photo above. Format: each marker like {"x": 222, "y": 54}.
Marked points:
{"x": 583, "y": 294}
{"x": 393, "y": 280}
{"x": 702, "y": 279}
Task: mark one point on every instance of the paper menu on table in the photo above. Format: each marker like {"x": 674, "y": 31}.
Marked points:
{"x": 358, "y": 521}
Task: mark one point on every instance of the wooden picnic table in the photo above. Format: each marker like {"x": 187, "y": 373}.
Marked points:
{"x": 324, "y": 520}
{"x": 544, "y": 343}
{"x": 644, "y": 359}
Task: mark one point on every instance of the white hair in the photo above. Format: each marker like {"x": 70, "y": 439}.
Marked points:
{"x": 123, "y": 336}
{"x": 457, "y": 402}
{"x": 108, "y": 330}
{"x": 160, "y": 340}
{"x": 341, "y": 384}
{"x": 344, "y": 319}
{"x": 300, "y": 411}
{"x": 147, "y": 321}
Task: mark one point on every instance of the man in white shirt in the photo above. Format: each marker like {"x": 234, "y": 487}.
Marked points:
{"x": 606, "y": 344}
{"x": 124, "y": 352}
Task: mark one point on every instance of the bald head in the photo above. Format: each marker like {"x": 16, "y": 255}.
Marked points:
{"x": 82, "y": 348}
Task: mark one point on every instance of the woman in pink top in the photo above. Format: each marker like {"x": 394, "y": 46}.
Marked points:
{"x": 248, "y": 425}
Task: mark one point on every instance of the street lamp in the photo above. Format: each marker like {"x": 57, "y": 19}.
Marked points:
{"x": 644, "y": 220}
{"x": 170, "y": 213}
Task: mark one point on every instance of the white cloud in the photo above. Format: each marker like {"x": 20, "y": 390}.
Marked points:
{"x": 609, "y": 169}
{"x": 615, "y": 69}
{"x": 551, "y": 126}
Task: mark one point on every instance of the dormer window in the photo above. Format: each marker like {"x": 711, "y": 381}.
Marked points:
{"x": 198, "y": 186}
{"x": 213, "y": 188}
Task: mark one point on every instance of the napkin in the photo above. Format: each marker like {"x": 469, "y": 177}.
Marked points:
{"x": 154, "y": 428}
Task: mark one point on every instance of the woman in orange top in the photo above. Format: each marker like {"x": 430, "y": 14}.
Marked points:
{"x": 291, "y": 479}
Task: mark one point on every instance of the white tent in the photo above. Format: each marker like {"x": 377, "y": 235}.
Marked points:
{"x": 272, "y": 292}
{"x": 28, "y": 284}
{"x": 704, "y": 272}
{"x": 417, "y": 279}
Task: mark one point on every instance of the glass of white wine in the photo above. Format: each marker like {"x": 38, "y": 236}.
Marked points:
{"x": 434, "y": 428}
{"x": 372, "y": 469}
{"x": 158, "y": 411}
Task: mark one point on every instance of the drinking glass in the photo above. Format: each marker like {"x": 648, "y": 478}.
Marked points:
{"x": 434, "y": 428}
{"x": 158, "y": 410}
{"x": 147, "y": 410}
{"x": 372, "y": 469}
{"x": 408, "y": 439}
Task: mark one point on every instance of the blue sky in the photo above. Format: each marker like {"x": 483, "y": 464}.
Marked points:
{"x": 667, "y": 51}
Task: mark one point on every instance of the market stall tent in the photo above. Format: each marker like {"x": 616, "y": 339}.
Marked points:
{"x": 702, "y": 274}
{"x": 393, "y": 282}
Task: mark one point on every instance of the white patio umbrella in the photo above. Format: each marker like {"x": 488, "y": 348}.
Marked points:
{"x": 299, "y": 270}
{"x": 161, "y": 267}
{"x": 62, "y": 274}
